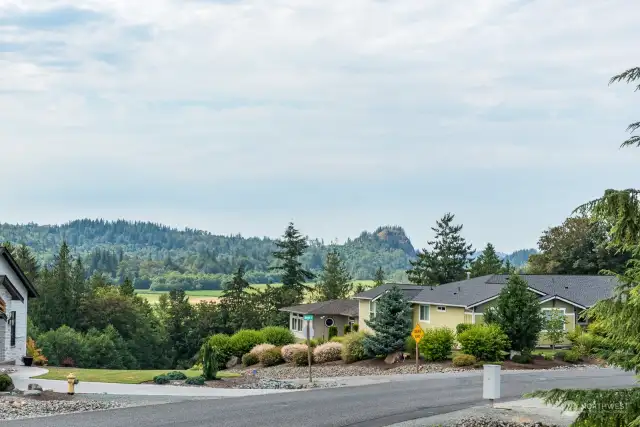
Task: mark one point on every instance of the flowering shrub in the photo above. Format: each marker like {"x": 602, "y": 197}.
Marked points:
{"x": 261, "y": 348}
{"x": 288, "y": 351}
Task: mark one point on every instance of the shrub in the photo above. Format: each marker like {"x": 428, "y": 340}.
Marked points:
{"x": 522, "y": 358}
{"x": 6, "y": 383}
{"x": 61, "y": 344}
{"x": 211, "y": 361}
{"x": 33, "y": 351}
{"x": 161, "y": 379}
{"x": 464, "y": 360}
{"x": 223, "y": 342}
{"x": 353, "y": 347}
{"x": 271, "y": 357}
{"x": 338, "y": 339}
{"x": 278, "y": 336}
{"x": 250, "y": 359}
{"x": 301, "y": 358}
{"x": 175, "y": 376}
{"x": 288, "y": 351}
{"x": 317, "y": 341}
{"x": 244, "y": 340}
{"x": 559, "y": 354}
{"x": 68, "y": 362}
{"x": 485, "y": 342}
{"x": 261, "y": 348}
{"x": 461, "y": 327}
{"x": 548, "y": 356}
{"x": 410, "y": 346}
{"x": 347, "y": 329}
{"x": 199, "y": 380}
{"x": 571, "y": 357}
{"x": 332, "y": 332}
{"x": 436, "y": 344}
{"x": 328, "y": 352}
{"x": 585, "y": 343}
{"x": 355, "y": 327}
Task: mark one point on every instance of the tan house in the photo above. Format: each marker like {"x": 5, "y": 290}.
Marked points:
{"x": 466, "y": 301}
{"x": 337, "y": 312}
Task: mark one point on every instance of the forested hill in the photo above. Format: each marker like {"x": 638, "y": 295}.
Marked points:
{"x": 162, "y": 257}
{"x": 159, "y": 256}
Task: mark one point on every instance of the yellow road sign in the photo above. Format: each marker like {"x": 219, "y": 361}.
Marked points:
{"x": 417, "y": 333}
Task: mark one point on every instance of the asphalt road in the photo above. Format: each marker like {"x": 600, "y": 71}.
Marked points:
{"x": 371, "y": 406}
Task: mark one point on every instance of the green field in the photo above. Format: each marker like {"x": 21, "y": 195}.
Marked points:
{"x": 197, "y": 296}
{"x": 116, "y": 375}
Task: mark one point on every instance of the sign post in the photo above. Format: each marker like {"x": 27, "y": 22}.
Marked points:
{"x": 309, "y": 318}
{"x": 417, "y": 335}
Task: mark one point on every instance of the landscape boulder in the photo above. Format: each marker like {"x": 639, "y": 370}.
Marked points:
{"x": 34, "y": 387}
{"x": 396, "y": 357}
{"x": 232, "y": 362}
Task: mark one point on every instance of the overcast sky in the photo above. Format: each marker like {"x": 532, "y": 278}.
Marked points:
{"x": 239, "y": 116}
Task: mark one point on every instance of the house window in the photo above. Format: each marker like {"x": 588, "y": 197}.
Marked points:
{"x": 12, "y": 322}
{"x": 372, "y": 310}
{"x": 424, "y": 313}
{"x": 296, "y": 322}
{"x": 442, "y": 308}
{"x": 547, "y": 312}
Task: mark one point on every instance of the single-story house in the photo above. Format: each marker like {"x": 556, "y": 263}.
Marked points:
{"x": 15, "y": 290}
{"x": 466, "y": 301}
{"x": 337, "y": 312}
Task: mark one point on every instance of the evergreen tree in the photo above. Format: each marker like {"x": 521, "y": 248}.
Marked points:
{"x": 27, "y": 262}
{"x": 126, "y": 288}
{"x": 487, "y": 263}
{"x": 507, "y": 268}
{"x": 447, "y": 261}
{"x": 334, "y": 281}
{"x": 392, "y": 324}
{"x": 181, "y": 329}
{"x": 235, "y": 302}
{"x": 517, "y": 312}
{"x": 290, "y": 248}
{"x": 379, "y": 277}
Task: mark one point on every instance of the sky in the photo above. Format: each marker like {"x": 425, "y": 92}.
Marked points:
{"x": 238, "y": 116}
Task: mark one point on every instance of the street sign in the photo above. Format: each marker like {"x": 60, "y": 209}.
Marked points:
{"x": 417, "y": 333}
{"x": 308, "y": 317}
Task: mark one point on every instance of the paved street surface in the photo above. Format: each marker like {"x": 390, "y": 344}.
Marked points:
{"x": 368, "y": 405}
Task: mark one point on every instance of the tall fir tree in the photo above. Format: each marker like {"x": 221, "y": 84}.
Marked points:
{"x": 448, "y": 259}
{"x": 235, "y": 303}
{"x": 379, "y": 277}
{"x": 335, "y": 281}
{"x": 126, "y": 288}
{"x": 517, "y": 312}
{"x": 27, "y": 262}
{"x": 181, "y": 329}
{"x": 507, "y": 267}
{"x": 487, "y": 263}
{"x": 391, "y": 325}
{"x": 294, "y": 276}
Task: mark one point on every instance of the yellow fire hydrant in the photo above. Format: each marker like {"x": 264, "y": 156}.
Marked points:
{"x": 71, "y": 381}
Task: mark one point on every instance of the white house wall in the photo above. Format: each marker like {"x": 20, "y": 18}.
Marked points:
{"x": 20, "y": 349}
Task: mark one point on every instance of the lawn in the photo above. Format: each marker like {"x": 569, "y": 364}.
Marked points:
{"x": 115, "y": 376}
{"x": 213, "y": 295}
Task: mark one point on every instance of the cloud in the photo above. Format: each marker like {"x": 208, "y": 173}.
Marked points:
{"x": 112, "y": 99}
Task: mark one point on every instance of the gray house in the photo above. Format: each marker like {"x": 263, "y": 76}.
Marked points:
{"x": 338, "y": 312}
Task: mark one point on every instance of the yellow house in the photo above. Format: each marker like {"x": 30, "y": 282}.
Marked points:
{"x": 466, "y": 301}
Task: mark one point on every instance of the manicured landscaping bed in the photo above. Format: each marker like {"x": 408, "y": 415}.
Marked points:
{"x": 117, "y": 376}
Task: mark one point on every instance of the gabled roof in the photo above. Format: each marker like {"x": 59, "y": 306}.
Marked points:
{"x": 581, "y": 291}
{"x": 342, "y": 307}
{"x": 6, "y": 283}
{"x": 31, "y": 290}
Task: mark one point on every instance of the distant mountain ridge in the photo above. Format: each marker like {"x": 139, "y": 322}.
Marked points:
{"x": 154, "y": 253}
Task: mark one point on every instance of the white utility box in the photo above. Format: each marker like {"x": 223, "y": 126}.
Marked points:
{"x": 491, "y": 382}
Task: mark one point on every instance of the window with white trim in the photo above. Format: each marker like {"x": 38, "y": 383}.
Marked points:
{"x": 296, "y": 322}
{"x": 547, "y": 312}
{"x": 442, "y": 308}
{"x": 424, "y": 313}
{"x": 372, "y": 310}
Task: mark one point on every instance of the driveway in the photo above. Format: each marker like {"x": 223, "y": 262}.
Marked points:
{"x": 380, "y": 404}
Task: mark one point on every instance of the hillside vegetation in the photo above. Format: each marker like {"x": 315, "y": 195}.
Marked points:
{"x": 161, "y": 258}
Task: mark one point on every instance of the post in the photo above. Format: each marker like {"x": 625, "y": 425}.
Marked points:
{"x": 491, "y": 383}
{"x": 309, "y": 349}
{"x": 417, "y": 359}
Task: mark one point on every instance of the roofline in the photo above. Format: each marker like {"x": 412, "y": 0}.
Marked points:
{"x": 536, "y": 291}
{"x": 363, "y": 298}
{"x": 31, "y": 290}
{"x": 11, "y": 288}
{"x": 437, "y": 303}
{"x": 564, "y": 300}
{"x": 475, "y": 304}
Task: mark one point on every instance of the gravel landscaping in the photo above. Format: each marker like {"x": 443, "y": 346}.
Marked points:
{"x": 287, "y": 385}
{"x": 488, "y": 421}
{"x": 16, "y": 407}
{"x": 339, "y": 369}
